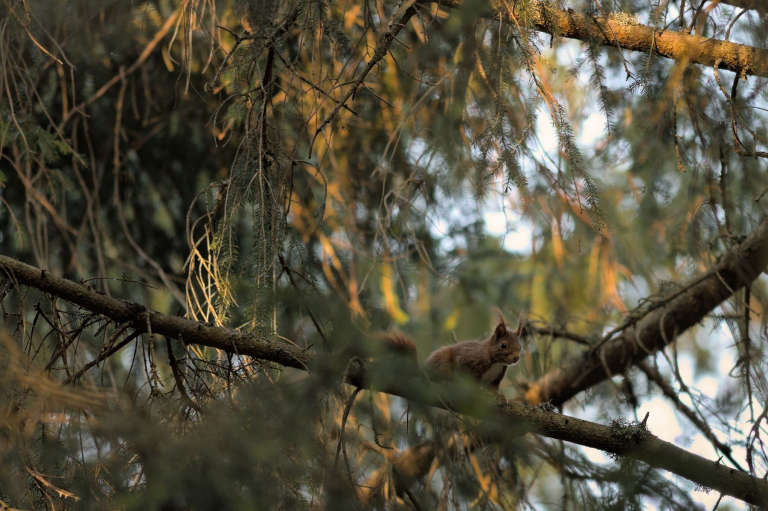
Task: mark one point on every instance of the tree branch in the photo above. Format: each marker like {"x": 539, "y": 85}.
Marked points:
{"x": 624, "y": 32}
{"x": 746, "y": 4}
{"x": 672, "y": 395}
{"x": 399, "y": 20}
{"x": 146, "y": 52}
{"x": 636, "y": 442}
{"x": 514, "y": 418}
{"x": 188, "y": 331}
{"x": 659, "y": 327}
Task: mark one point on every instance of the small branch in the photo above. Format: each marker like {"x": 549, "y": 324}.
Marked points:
{"x": 671, "y": 393}
{"x": 561, "y": 334}
{"x": 103, "y": 356}
{"x": 314, "y": 86}
{"x": 178, "y": 377}
{"x": 398, "y": 21}
{"x": 159, "y": 35}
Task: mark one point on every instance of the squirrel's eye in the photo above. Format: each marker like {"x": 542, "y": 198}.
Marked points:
{"x": 503, "y": 345}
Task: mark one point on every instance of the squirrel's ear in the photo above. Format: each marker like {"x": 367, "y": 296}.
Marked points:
{"x": 522, "y": 320}
{"x": 501, "y": 331}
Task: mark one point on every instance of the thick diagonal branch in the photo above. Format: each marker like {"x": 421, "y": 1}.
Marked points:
{"x": 512, "y": 418}
{"x": 622, "y": 31}
{"x": 619, "y": 31}
{"x": 661, "y": 326}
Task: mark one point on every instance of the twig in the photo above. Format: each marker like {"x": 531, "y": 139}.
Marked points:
{"x": 128, "y": 71}
{"x": 103, "y": 356}
{"x": 178, "y": 377}
{"x": 399, "y": 19}
{"x": 670, "y": 392}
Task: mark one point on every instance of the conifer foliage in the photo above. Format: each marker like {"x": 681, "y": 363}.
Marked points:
{"x": 211, "y": 210}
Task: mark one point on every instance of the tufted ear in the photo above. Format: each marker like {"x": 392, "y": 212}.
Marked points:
{"x": 522, "y": 320}
{"x": 500, "y": 331}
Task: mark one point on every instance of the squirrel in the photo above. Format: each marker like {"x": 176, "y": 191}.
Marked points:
{"x": 485, "y": 361}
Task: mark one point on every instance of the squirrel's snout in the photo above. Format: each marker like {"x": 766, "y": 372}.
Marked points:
{"x": 515, "y": 358}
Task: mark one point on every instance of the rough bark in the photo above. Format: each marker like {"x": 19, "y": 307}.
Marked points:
{"x": 513, "y": 418}
{"x": 622, "y": 31}
{"x": 636, "y": 442}
{"x": 142, "y": 319}
{"x": 659, "y": 327}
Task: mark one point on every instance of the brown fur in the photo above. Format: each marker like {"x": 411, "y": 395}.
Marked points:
{"x": 486, "y": 361}
{"x": 400, "y": 343}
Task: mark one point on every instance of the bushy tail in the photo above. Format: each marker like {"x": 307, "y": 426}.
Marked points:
{"x": 400, "y": 343}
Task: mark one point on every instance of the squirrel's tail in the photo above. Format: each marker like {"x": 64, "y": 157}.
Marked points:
{"x": 400, "y": 343}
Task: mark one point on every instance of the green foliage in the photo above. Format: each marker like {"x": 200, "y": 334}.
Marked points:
{"x": 195, "y": 157}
